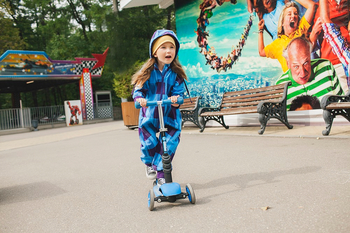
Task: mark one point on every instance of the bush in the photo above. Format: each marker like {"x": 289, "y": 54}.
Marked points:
{"x": 122, "y": 81}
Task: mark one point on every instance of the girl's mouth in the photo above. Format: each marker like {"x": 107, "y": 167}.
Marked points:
{"x": 167, "y": 56}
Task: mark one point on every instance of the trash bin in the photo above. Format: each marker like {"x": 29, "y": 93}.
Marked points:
{"x": 35, "y": 124}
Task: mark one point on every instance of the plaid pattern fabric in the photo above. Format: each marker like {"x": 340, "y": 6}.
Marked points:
{"x": 339, "y": 45}
{"x": 160, "y": 86}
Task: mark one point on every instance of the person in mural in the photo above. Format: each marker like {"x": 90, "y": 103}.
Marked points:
{"x": 289, "y": 27}
{"x": 315, "y": 77}
{"x": 333, "y": 37}
{"x": 74, "y": 111}
{"x": 305, "y": 102}
{"x": 269, "y": 11}
{"x": 161, "y": 77}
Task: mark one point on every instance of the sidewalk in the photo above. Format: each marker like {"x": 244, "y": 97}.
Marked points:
{"x": 89, "y": 178}
{"x": 47, "y": 135}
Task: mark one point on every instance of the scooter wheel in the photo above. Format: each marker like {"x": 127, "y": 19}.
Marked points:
{"x": 151, "y": 199}
{"x": 190, "y": 193}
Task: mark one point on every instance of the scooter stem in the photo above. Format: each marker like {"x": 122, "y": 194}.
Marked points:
{"x": 165, "y": 156}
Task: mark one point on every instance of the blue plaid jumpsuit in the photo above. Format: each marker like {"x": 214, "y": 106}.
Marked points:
{"x": 160, "y": 86}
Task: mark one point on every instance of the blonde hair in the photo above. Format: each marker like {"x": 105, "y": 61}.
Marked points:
{"x": 280, "y": 30}
{"x": 140, "y": 77}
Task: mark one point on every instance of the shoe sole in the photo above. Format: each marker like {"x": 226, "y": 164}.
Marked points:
{"x": 151, "y": 177}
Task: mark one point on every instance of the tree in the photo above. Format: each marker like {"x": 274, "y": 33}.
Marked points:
{"x": 66, "y": 29}
{"x": 9, "y": 36}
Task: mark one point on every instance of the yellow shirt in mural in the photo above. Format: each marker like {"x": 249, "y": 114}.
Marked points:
{"x": 275, "y": 49}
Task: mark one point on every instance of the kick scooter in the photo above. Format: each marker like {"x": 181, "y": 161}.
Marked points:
{"x": 170, "y": 191}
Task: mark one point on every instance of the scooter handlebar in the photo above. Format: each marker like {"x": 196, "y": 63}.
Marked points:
{"x": 180, "y": 100}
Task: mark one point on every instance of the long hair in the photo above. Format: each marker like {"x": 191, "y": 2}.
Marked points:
{"x": 280, "y": 30}
{"x": 140, "y": 77}
{"x": 177, "y": 68}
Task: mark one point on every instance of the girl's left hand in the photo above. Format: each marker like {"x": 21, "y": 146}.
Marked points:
{"x": 174, "y": 98}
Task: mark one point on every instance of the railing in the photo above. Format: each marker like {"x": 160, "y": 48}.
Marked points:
{"x": 22, "y": 118}
{"x": 14, "y": 118}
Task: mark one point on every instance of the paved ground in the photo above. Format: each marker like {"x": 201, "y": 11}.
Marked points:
{"x": 89, "y": 179}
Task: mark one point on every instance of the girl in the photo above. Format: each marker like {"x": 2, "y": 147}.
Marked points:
{"x": 160, "y": 78}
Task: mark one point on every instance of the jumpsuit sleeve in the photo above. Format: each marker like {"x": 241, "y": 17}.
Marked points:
{"x": 140, "y": 92}
{"x": 178, "y": 88}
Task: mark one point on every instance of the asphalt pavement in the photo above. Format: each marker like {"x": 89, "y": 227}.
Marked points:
{"x": 90, "y": 178}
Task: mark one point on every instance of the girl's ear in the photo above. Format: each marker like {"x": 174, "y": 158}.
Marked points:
{"x": 155, "y": 55}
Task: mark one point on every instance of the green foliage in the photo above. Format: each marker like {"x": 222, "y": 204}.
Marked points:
{"x": 122, "y": 81}
{"x": 5, "y": 101}
{"x": 66, "y": 29}
{"x": 9, "y": 36}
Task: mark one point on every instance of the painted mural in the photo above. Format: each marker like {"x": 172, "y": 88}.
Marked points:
{"x": 229, "y": 45}
{"x": 37, "y": 64}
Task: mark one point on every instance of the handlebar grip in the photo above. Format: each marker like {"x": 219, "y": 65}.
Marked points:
{"x": 180, "y": 100}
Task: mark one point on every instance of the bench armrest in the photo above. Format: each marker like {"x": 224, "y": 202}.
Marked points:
{"x": 208, "y": 109}
{"x": 263, "y": 104}
{"x": 328, "y": 99}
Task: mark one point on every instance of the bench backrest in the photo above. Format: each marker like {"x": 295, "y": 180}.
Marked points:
{"x": 247, "y": 100}
{"x": 188, "y": 105}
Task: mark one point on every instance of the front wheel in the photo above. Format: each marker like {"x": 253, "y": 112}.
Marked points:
{"x": 151, "y": 199}
{"x": 190, "y": 193}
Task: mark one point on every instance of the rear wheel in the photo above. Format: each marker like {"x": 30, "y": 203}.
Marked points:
{"x": 190, "y": 193}
{"x": 151, "y": 199}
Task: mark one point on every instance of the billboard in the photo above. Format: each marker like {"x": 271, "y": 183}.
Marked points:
{"x": 221, "y": 47}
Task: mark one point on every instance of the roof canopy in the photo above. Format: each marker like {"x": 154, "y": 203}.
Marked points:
{"x": 135, "y": 3}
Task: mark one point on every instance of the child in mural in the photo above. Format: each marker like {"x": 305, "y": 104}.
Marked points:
{"x": 75, "y": 111}
{"x": 331, "y": 20}
{"x": 160, "y": 78}
{"x": 289, "y": 27}
{"x": 305, "y": 102}
{"x": 315, "y": 77}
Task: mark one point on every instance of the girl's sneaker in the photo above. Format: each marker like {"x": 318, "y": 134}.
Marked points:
{"x": 160, "y": 181}
{"x": 151, "y": 173}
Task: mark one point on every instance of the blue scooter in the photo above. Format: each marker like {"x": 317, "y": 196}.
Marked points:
{"x": 170, "y": 191}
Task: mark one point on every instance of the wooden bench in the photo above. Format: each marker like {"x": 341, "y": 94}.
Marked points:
{"x": 189, "y": 111}
{"x": 332, "y": 106}
{"x": 269, "y": 102}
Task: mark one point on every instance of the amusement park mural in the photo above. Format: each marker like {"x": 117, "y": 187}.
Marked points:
{"x": 229, "y": 45}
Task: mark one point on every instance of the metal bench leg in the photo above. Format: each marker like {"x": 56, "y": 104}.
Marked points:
{"x": 204, "y": 122}
{"x": 263, "y": 121}
{"x": 328, "y": 119}
{"x": 219, "y": 119}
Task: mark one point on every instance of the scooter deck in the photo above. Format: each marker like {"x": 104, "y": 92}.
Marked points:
{"x": 168, "y": 192}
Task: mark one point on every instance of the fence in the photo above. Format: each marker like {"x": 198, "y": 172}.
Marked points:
{"x": 14, "y": 118}
{"x": 22, "y": 117}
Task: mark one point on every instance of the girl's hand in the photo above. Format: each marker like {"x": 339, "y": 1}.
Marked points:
{"x": 142, "y": 101}
{"x": 174, "y": 100}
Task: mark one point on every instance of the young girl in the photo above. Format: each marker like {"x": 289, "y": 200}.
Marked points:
{"x": 160, "y": 78}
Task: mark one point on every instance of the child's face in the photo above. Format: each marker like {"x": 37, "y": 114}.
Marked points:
{"x": 165, "y": 54}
